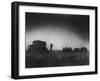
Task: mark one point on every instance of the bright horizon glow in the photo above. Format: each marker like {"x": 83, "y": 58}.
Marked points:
{"x": 57, "y": 36}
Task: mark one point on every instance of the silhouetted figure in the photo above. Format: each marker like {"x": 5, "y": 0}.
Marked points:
{"x": 51, "y": 46}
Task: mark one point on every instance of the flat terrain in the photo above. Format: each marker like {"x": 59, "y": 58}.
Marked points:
{"x": 56, "y": 58}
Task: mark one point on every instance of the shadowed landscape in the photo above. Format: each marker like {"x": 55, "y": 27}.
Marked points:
{"x": 38, "y": 55}
{"x": 53, "y": 40}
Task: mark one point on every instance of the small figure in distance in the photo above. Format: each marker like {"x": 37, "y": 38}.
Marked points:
{"x": 51, "y": 46}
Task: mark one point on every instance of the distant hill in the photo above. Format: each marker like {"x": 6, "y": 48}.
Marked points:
{"x": 37, "y": 46}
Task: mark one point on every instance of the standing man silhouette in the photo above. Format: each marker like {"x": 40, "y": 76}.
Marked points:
{"x": 51, "y": 46}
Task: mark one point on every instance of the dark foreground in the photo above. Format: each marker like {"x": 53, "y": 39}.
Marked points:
{"x": 56, "y": 58}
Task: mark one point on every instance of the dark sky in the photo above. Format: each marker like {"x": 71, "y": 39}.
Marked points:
{"x": 63, "y": 25}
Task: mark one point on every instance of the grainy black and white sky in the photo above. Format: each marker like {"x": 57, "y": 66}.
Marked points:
{"x": 62, "y": 30}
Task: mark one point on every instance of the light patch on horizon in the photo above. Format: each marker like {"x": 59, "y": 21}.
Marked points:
{"x": 58, "y": 36}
